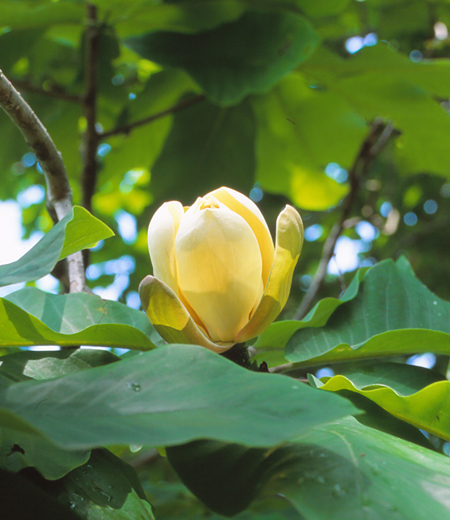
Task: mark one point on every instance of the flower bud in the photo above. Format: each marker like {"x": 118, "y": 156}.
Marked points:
{"x": 218, "y": 280}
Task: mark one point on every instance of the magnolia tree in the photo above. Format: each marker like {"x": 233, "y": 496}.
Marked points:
{"x": 255, "y": 384}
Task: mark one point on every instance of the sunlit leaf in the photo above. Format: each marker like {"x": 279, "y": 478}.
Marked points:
{"x": 270, "y": 345}
{"x": 300, "y": 130}
{"x": 378, "y": 82}
{"x": 424, "y": 406}
{"x": 76, "y": 231}
{"x": 32, "y": 317}
{"x": 403, "y": 317}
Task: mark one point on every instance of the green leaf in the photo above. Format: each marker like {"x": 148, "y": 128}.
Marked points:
{"x": 433, "y": 76}
{"x": 62, "y": 120}
{"x": 229, "y": 64}
{"x": 402, "y": 378}
{"x": 168, "y": 396}
{"x": 217, "y": 150}
{"x": 31, "y": 317}
{"x": 426, "y": 407}
{"x": 300, "y": 130}
{"x": 21, "y": 450}
{"x": 376, "y": 417}
{"x": 76, "y": 231}
{"x": 341, "y": 470}
{"x": 141, "y": 16}
{"x": 36, "y": 451}
{"x": 141, "y": 147}
{"x": 402, "y": 318}
{"x": 271, "y": 343}
{"x": 24, "y": 365}
{"x": 380, "y": 82}
{"x": 322, "y": 8}
{"x": 83, "y": 230}
{"x": 32, "y": 14}
{"x": 105, "y": 488}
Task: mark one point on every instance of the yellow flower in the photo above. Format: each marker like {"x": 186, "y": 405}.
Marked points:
{"x": 218, "y": 280}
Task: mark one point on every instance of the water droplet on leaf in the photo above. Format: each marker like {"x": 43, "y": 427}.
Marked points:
{"x": 136, "y": 387}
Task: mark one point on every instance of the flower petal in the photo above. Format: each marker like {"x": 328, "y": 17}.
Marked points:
{"x": 161, "y": 242}
{"x": 250, "y": 212}
{"x": 289, "y": 243}
{"x": 169, "y": 316}
{"x": 219, "y": 267}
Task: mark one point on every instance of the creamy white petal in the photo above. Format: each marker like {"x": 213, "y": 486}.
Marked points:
{"x": 250, "y": 212}
{"x": 219, "y": 267}
{"x": 161, "y": 242}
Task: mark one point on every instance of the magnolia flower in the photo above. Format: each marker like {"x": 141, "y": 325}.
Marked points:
{"x": 218, "y": 279}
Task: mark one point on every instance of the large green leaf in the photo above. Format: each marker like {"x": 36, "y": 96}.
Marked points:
{"x": 171, "y": 395}
{"x": 247, "y": 56}
{"x": 392, "y": 314}
{"x": 207, "y": 147}
{"x": 342, "y": 470}
{"x": 322, "y": 8}
{"x": 425, "y": 406}
{"x": 41, "y": 13}
{"x": 32, "y": 317}
{"x": 433, "y": 76}
{"x": 36, "y": 451}
{"x": 141, "y": 16}
{"x": 300, "y": 130}
{"x": 104, "y": 488}
{"x": 28, "y": 364}
{"x": 190, "y": 16}
{"x": 404, "y": 379}
{"x": 271, "y": 343}
{"x": 20, "y": 450}
{"x": 380, "y": 82}
{"x": 76, "y": 231}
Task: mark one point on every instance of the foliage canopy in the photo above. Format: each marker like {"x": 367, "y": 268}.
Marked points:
{"x": 340, "y": 107}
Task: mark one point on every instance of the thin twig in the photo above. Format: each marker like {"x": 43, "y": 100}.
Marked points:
{"x": 59, "y": 193}
{"x": 145, "y": 459}
{"x": 91, "y": 137}
{"x": 126, "y": 129}
{"x": 373, "y": 144}
{"x": 54, "y": 92}
{"x": 280, "y": 369}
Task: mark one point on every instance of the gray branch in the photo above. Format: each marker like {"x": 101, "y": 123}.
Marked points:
{"x": 375, "y": 142}
{"x": 59, "y": 193}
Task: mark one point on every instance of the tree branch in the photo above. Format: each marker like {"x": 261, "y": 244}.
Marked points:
{"x": 126, "y": 129}
{"x": 59, "y": 193}
{"x": 91, "y": 137}
{"x": 56, "y": 93}
{"x": 371, "y": 147}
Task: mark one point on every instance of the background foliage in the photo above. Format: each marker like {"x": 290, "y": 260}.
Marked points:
{"x": 339, "y": 107}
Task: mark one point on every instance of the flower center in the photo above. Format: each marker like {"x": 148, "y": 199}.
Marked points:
{"x": 208, "y": 203}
